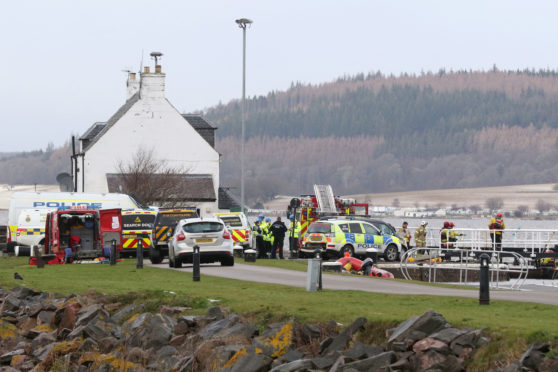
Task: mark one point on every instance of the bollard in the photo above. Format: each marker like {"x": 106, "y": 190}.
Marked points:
{"x": 139, "y": 254}
{"x": 38, "y": 257}
{"x": 317, "y": 255}
{"x": 484, "y": 295}
{"x": 196, "y": 263}
{"x": 113, "y": 253}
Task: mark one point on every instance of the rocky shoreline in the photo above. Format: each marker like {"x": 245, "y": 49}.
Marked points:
{"x": 42, "y": 331}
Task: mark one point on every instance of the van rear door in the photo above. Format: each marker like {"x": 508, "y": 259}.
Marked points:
{"x": 110, "y": 227}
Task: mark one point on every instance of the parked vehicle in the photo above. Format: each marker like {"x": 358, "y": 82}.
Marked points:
{"x": 238, "y": 226}
{"x": 31, "y": 226}
{"x": 210, "y": 234}
{"x": 49, "y": 201}
{"x": 336, "y": 236}
{"x": 164, "y": 226}
{"x": 84, "y": 231}
{"x": 137, "y": 225}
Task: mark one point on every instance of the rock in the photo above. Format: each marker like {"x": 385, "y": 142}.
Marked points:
{"x": 89, "y": 345}
{"x": 296, "y": 365}
{"x": 359, "y": 350}
{"x": 137, "y": 355}
{"x": 216, "y": 313}
{"x": 309, "y": 332}
{"x": 289, "y": 356}
{"x": 97, "y": 328}
{"x": 126, "y": 312}
{"x": 238, "y": 332}
{"x": 106, "y": 344}
{"x": 7, "y": 358}
{"x": 534, "y": 356}
{"x": 248, "y": 360}
{"x": 11, "y": 303}
{"x": 416, "y": 328}
{"x": 181, "y": 328}
{"x": 67, "y": 316}
{"x": 9, "y": 369}
{"x": 42, "y": 353}
{"x": 550, "y": 364}
{"x": 147, "y": 330}
{"x": 217, "y": 326}
{"x": 85, "y": 315}
{"x": 42, "y": 339}
{"x": 36, "y": 331}
{"x": 45, "y": 317}
{"x": 190, "y": 320}
{"x": 325, "y": 362}
{"x": 430, "y": 343}
{"x": 447, "y": 335}
{"x": 434, "y": 360}
{"x": 341, "y": 341}
{"x": 374, "y": 363}
{"x": 177, "y": 340}
{"x": 276, "y": 340}
{"x": 464, "y": 345}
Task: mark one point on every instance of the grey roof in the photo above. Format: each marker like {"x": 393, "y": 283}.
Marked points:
{"x": 187, "y": 187}
{"x": 93, "y": 131}
{"x": 114, "y": 118}
{"x": 227, "y": 199}
{"x": 197, "y": 121}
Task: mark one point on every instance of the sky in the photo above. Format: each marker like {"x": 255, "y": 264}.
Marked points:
{"x": 62, "y": 62}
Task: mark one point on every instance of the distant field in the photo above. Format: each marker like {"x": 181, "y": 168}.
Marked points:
{"x": 513, "y": 197}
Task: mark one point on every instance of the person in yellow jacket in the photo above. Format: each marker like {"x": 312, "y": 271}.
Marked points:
{"x": 294, "y": 235}
{"x": 420, "y": 235}
{"x": 496, "y": 226}
{"x": 452, "y": 235}
{"x": 405, "y": 234}
{"x": 268, "y": 237}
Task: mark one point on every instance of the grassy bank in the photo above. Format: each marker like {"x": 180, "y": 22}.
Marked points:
{"x": 513, "y": 322}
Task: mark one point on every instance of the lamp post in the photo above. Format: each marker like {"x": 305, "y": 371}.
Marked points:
{"x": 242, "y": 23}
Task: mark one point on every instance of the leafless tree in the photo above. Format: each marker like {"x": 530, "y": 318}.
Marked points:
{"x": 396, "y": 203}
{"x": 494, "y": 203}
{"x": 152, "y": 180}
{"x": 542, "y": 205}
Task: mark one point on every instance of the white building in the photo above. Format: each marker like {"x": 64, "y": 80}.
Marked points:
{"x": 149, "y": 121}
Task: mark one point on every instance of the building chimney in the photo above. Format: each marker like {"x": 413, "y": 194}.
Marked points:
{"x": 158, "y": 69}
{"x": 132, "y": 85}
{"x": 152, "y": 84}
{"x": 146, "y": 69}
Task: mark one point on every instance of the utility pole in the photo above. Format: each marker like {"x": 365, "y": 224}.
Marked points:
{"x": 242, "y": 23}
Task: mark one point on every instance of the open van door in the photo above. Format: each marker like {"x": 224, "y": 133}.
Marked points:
{"x": 54, "y": 233}
{"x": 48, "y": 234}
{"x": 110, "y": 227}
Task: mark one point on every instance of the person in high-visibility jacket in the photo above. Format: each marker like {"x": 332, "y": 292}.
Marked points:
{"x": 267, "y": 236}
{"x": 256, "y": 231}
{"x": 444, "y": 234}
{"x": 420, "y": 235}
{"x": 294, "y": 235}
{"x": 496, "y": 226}
{"x": 452, "y": 235}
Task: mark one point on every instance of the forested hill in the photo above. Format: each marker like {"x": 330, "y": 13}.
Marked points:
{"x": 382, "y": 133}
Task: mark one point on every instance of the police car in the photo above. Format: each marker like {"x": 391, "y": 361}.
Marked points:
{"x": 334, "y": 237}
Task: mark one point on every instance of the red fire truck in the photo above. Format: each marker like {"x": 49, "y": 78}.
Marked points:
{"x": 309, "y": 208}
{"x": 85, "y": 231}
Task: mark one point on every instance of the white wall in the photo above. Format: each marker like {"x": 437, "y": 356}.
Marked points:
{"x": 151, "y": 123}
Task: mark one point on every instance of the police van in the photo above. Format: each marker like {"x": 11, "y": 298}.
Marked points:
{"x": 38, "y": 204}
{"x": 337, "y": 236}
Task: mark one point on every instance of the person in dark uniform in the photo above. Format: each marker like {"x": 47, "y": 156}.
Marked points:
{"x": 278, "y": 229}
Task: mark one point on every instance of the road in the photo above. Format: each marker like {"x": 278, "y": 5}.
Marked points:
{"x": 263, "y": 274}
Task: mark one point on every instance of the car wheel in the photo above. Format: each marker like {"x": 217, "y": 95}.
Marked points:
{"x": 171, "y": 260}
{"x": 227, "y": 261}
{"x": 390, "y": 254}
{"x": 345, "y": 249}
{"x": 155, "y": 256}
{"x": 177, "y": 262}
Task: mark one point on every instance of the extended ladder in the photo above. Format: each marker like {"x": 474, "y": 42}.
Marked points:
{"x": 326, "y": 201}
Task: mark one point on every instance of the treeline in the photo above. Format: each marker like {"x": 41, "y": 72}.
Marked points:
{"x": 35, "y": 167}
{"x": 386, "y": 133}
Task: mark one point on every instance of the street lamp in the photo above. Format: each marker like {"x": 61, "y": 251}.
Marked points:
{"x": 242, "y": 23}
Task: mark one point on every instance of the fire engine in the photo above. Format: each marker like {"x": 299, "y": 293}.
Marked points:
{"x": 85, "y": 231}
{"x": 309, "y": 208}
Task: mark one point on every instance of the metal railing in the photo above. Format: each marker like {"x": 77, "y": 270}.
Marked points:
{"x": 464, "y": 261}
{"x": 528, "y": 241}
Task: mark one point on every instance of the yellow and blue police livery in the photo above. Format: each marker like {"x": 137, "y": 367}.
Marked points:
{"x": 337, "y": 237}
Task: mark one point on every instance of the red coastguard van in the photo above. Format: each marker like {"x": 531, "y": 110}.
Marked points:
{"x": 84, "y": 231}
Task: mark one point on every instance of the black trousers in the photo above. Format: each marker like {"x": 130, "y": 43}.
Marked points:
{"x": 277, "y": 244}
{"x": 293, "y": 246}
{"x": 260, "y": 246}
{"x": 496, "y": 240}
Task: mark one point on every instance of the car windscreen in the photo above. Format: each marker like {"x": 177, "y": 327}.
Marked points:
{"x": 138, "y": 221}
{"x": 319, "y": 228}
{"x": 232, "y": 221}
{"x": 202, "y": 227}
{"x": 171, "y": 219}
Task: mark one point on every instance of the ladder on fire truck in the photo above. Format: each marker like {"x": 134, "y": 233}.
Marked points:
{"x": 325, "y": 199}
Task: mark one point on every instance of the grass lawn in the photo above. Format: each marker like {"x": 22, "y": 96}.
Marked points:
{"x": 514, "y": 323}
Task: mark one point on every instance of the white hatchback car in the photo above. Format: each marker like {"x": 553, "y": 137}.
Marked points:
{"x": 210, "y": 234}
